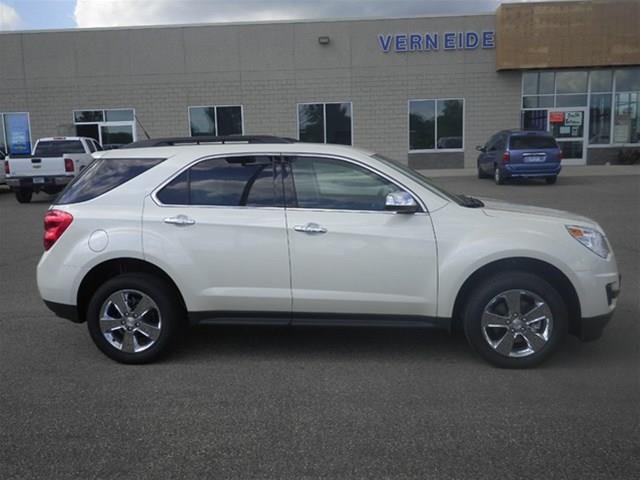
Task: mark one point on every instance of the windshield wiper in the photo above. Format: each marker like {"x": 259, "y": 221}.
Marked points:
{"x": 470, "y": 202}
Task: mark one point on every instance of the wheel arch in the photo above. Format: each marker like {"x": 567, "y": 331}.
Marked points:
{"x": 111, "y": 268}
{"x": 522, "y": 264}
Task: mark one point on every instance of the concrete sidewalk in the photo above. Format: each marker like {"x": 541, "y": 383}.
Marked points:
{"x": 582, "y": 171}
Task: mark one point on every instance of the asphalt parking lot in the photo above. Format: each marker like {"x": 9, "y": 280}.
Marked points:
{"x": 321, "y": 403}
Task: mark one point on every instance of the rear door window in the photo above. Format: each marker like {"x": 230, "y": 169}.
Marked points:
{"x": 527, "y": 142}
{"x": 104, "y": 175}
{"x": 57, "y": 148}
{"x": 244, "y": 181}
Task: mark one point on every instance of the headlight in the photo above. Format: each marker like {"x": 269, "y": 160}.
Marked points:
{"x": 590, "y": 238}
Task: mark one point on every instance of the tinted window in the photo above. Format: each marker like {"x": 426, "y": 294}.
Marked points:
{"x": 449, "y": 124}
{"x": 104, "y": 175}
{"x": 234, "y": 181}
{"x": 202, "y": 121}
{"x": 229, "y": 121}
{"x": 524, "y": 142}
{"x": 176, "y": 192}
{"x": 422, "y": 121}
{"x": 311, "y": 123}
{"x": 57, "y": 148}
{"x": 334, "y": 184}
{"x": 338, "y": 123}
{"x": 91, "y": 146}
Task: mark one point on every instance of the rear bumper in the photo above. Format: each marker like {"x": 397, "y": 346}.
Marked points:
{"x": 69, "y": 312}
{"x": 27, "y": 182}
{"x": 531, "y": 170}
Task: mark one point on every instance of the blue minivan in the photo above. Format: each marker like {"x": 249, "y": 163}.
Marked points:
{"x": 520, "y": 153}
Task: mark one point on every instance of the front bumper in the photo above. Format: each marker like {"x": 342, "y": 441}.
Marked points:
{"x": 69, "y": 312}
{"x": 28, "y": 182}
{"x": 589, "y": 329}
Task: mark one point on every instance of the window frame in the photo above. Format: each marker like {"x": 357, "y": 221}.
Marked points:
{"x": 215, "y": 107}
{"x": 435, "y": 130}
{"x": 324, "y": 120}
{"x": 351, "y": 161}
{"x": 612, "y": 92}
{"x": 105, "y": 123}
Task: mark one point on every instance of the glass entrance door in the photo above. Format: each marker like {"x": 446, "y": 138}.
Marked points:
{"x": 567, "y": 125}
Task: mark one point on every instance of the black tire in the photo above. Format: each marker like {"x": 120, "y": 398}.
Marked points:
{"x": 551, "y": 180}
{"x": 481, "y": 174}
{"x": 23, "y": 195}
{"x": 171, "y": 314}
{"x": 485, "y": 292}
{"x": 497, "y": 176}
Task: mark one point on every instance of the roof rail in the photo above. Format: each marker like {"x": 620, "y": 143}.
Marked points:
{"x": 171, "y": 141}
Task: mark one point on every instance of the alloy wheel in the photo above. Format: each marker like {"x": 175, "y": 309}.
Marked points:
{"x": 130, "y": 321}
{"x": 517, "y": 323}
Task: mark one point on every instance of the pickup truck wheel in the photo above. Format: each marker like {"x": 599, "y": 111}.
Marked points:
{"x": 132, "y": 318}
{"x": 515, "y": 320}
{"x": 23, "y": 195}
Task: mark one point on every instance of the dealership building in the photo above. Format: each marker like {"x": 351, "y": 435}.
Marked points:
{"x": 423, "y": 90}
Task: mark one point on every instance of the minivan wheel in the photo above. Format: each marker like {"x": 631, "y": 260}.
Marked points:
{"x": 132, "y": 318}
{"x": 551, "y": 180}
{"x": 497, "y": 176}
{"x": 515, "y": 320}
{"x": 23, "y": 195}
{"x": 481, "y": 174}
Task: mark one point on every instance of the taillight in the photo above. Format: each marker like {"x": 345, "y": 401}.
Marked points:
{"x": 68, "y": 165}
{"x": 55, "y": 223}
{"x": 6, "y": 167}
{"x": 506, "y": 156}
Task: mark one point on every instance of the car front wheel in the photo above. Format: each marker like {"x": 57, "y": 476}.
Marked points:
{"x": 515, "y": 320}
{"x": 132, "y": 318}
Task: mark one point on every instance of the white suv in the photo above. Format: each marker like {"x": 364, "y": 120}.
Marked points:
{"x": 265, "y": 230}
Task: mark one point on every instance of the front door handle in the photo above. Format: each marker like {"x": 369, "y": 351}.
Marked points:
{"x": 310, "y": 228}
{"x": 181, "y": 220}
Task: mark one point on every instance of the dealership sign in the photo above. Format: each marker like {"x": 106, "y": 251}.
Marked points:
{"x": 430, "y": 42}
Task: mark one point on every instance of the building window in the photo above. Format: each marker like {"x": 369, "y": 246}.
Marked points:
{"x": 216, "y": 120}
{"x": 436, "y": 124}
{"x": 111, "y": 128}
{"x": 15, "y": 133}
{"x": 626, "y": 121}
{"x": 325, "y": 123}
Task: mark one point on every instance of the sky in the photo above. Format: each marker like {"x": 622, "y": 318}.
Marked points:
{"x": 56, "y": 14}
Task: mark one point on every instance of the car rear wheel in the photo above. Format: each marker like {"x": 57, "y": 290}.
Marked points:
{"x": 515, "y": 320}
{"x": 497, "y": 176}
{"x": 132, "y": 318}
{"x": 551, "y": 180}
{"x": 23, "y": 195}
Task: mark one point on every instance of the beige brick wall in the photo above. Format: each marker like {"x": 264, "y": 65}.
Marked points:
{"x": 267, "y": 68}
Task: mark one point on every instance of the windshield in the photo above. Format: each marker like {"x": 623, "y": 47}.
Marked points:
{"x": 418, "y": 178}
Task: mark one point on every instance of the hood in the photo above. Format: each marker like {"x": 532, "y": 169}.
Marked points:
{"x": 496, "y": 208}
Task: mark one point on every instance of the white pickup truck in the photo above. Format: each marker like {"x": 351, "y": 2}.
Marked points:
{"x": 54, "y": 163}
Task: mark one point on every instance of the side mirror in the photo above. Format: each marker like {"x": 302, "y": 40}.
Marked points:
{"x": 481, "y": 148}
{"x": 401, "y": 202}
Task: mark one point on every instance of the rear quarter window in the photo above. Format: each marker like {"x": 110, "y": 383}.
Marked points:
{"x": 104, "y": 175}
{"x": 526, "y": 142}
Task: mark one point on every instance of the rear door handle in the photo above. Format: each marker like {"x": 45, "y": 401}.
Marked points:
{"x": 180, "y": 220}
{"x": 310, "y": 228}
